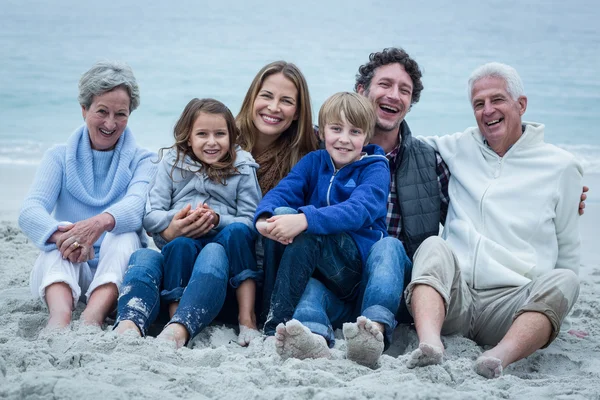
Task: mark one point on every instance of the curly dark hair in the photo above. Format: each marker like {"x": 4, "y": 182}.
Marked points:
{"x": 389, "y": 56}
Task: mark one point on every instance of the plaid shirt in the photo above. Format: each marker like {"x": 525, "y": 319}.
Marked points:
{"x": 393, "y": 219}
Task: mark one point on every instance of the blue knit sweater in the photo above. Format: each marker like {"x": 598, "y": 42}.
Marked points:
{"x": 74, "y": 182}
{"x": 352, "y": 199}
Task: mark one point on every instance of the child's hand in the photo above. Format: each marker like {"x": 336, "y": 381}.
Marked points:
{"x": 264, "y": 228}
{"x": 189, "y": 224}
{"x": 286, "y": 227}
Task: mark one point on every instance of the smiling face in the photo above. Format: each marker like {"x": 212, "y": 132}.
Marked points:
{"x": 343, "y": 142}
{"x": 498, "y": 115}
{"x": 391, "y": 90}
{"x": 275, "y": 107}
{"x": 209, "y": 139}
{"x": 106, "y": 118}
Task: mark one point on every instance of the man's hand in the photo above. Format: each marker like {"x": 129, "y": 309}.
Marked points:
{"x": 286, "y": 227}
{"x": 583, "y": 198}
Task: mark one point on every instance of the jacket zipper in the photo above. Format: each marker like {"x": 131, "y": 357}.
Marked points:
{"x": 482, "y": 214}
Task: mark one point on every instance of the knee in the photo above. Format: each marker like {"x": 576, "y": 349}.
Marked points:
{"x": 212, "y": 260}
{"x": 565, "y": 281}
{"x": 146, "y": 259}
{"x": 284, "y": 211}
{"x": 388, "y": 251}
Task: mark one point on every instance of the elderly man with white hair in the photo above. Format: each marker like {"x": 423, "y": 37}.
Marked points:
{"x": 504, "y": 272}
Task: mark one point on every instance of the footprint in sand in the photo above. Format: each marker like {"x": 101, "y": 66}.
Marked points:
{"x": 30, "y": 326}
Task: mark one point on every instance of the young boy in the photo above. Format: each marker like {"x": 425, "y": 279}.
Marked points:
{"x": 329, "y": 210}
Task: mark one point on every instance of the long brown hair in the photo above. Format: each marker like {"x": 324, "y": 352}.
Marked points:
{"x": 300, "y": 135}
{"x": 220, "y": 170}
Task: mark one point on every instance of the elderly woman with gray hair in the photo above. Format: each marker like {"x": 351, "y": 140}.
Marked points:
{"x": 85, "y": 207}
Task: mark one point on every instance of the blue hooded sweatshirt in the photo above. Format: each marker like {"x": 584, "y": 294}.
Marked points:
{"x": 352, "y": 199}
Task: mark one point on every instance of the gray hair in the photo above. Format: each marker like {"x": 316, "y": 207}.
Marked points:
{"x": 105, "y": 76}
{"x": 514, "y": 84}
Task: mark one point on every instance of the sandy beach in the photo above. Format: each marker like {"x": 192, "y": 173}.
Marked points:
{"x": 91, "y": 363}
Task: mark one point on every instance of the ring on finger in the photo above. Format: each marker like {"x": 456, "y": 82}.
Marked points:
{"x": 76, "y": 244}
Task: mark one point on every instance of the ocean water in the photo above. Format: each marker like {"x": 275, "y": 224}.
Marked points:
{"x": 184, "y": 49}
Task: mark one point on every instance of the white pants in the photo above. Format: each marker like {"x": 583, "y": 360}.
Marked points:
{"x": 50, "y": 268}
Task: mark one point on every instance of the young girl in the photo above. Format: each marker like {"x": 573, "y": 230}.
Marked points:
{"x": 201, "y": 204}
{"x": 276, "y": 127}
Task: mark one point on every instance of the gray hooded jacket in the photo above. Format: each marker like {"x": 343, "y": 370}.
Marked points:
{"x": 234, "y": 202}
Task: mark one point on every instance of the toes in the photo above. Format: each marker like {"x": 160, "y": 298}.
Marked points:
{"x": 280, "y": 329}
{"x": 294, "y": 327}
{"x": 350, "y": 330}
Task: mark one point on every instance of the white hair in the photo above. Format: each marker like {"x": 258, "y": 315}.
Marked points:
{"x": 514, "y": 84}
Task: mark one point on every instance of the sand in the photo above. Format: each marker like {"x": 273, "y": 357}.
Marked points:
{"x": 91, "y": 363}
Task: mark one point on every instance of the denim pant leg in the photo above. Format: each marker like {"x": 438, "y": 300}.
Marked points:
{"x": 179, "y": 258}
{"x": 384, "y": 277}
{"x": 205, "y": 293}
{"x": 321, "y": 311}
{"x": 238, "y": 241}
{"x": 273, "y": 253}
{"x": 336, "y": 260}
{"x": 139, "y": 295}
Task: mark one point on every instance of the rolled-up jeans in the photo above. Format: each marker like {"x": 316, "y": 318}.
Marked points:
{"x": 334, "y": 260}
{"x": 383, "y": 279}
{"x": 201, "y": 296}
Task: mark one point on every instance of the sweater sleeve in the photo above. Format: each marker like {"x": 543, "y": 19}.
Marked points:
{"x": 129, "y": 210}
{"x": 248, "y": 196}
{"x": 367, "y": 203}
{"x": 290, "y": 191}
{"x": 567, "y": 218}
{"x": 158, "y": 205}
{"x": 35, "y": 218}
{"x": 446, "y": 145}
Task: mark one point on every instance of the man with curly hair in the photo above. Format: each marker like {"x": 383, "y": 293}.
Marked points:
{"x": 417, "y": 203}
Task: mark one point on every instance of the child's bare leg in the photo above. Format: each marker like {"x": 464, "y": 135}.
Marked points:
{"x": 364, "y": 340}
{"x": 246, "y": 294}
{"x": 172, "y": 308}
{"x": 294, "y": 340}
{"x": 127, "y": 326}
{"x": 101, "y": 302}
{"x": 175, "y": 333}
{"x": 60, "y": 305}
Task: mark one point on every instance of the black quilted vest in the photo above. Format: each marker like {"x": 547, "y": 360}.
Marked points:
{"x": 418, "y": 191}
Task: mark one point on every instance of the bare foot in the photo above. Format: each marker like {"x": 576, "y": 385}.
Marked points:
{"x": 247, "y": 334}
{"x": 175, "y": 333}
{"x": 425, "y": 355}
{"x": 92, "y": 318}
{"x": 294, "y": 340}
{"x": 58, "y": 321}
{"x": 127, "y": 326}
{"x": 364, "y": 341}
{"x": 488, "y": 367}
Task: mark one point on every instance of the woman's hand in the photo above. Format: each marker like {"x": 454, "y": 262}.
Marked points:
{"x": 76, "y": 241}
{"x": 190, "y": 223}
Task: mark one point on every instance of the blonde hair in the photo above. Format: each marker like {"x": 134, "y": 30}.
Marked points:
{"x": 356, "y": 109}
{"x": 300, "y": 133}
{"x": 220, "y": 170}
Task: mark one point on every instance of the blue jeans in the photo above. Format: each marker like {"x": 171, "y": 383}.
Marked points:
{"x": 386, "y": 273}
{"x": 182, "y": 256}
{"x": 333, "y": 259}
{"x": 139, "y": 295}
{"x": 205, "y": 288}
